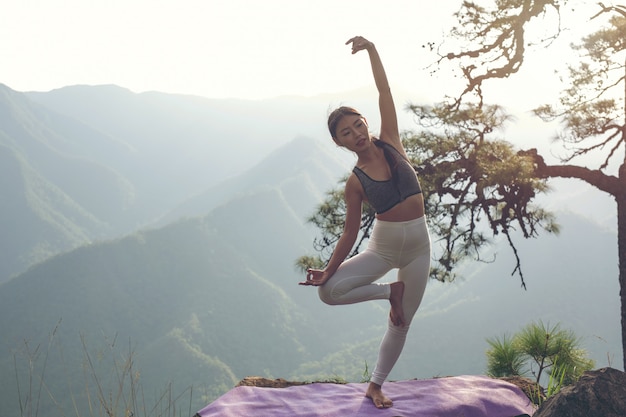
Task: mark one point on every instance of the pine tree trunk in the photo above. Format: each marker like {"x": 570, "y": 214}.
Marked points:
{"x": 620, "y": 197}
{"x": 621, "y": 250}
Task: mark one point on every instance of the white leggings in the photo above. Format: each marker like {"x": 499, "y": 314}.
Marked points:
{"x": 402, "y": 245}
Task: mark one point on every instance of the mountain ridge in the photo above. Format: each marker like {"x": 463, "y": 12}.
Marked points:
{"x": 114, "y": 161}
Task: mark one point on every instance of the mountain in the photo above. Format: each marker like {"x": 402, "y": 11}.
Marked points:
{"x": 54, "y": 196}
{"x": 146, "y": 289}
{"x": 302, "y": 163}
{"x": 87, "y": 163}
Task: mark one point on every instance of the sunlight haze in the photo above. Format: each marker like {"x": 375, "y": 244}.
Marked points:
{"x": 218, "y": 49}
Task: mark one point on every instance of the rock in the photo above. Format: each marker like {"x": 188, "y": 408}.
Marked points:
{"x": 600, "y": 393}
{"x": 533, "y": 390}
{"x": 257, "y": 381}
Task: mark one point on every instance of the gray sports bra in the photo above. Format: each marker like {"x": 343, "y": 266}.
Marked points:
{"x": 384, "y": 195}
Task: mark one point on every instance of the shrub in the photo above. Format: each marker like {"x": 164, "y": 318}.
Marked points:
{"x": 535, "y": 349}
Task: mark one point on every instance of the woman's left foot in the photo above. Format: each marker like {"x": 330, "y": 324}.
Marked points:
{"x": 375, "y": 393}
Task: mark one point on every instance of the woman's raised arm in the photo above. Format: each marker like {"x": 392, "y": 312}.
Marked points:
{"x": 389, "y": 131}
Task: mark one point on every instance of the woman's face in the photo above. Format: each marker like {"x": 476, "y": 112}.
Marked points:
{"x": 352, "y": 132}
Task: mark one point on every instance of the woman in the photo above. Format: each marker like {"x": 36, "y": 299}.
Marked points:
{"x": 385, "y": 179}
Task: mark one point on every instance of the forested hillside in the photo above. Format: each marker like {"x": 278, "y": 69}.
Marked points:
{"x": 230, "y": 272}
{"x": 82, "y": 164}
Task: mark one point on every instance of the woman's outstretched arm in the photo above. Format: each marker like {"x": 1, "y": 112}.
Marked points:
{"x": 389, "y": 131}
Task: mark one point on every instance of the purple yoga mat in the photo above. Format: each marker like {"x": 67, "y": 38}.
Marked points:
{"x": 461, "y": 396}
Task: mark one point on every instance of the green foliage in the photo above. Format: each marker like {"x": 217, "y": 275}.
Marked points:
{"x": 555, "y": 383}
{"x": 366, "y": 374}
{"x": 503, "y": 359}
{"x": 557, "y": 379}
{"x": 539, "y": 348}
{"x": 476, "y": 184}
{"x": 305, "y": 262}
{"x": 545, "y": 344}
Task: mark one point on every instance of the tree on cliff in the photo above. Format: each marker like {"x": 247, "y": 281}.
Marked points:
{"x": 591, "y": 109}
{"x": 471, "y": 177}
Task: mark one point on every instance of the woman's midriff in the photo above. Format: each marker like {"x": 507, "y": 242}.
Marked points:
{"x": 410, "y": 209}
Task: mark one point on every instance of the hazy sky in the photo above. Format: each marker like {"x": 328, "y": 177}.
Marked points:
{"x": 229, "y": 48}
{"x": 215, "y": 48}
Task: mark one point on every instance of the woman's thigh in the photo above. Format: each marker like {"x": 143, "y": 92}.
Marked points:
{"x": 354, "y": 280}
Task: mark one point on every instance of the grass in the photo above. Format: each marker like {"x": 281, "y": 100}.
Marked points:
{"x": 119, "y": 394}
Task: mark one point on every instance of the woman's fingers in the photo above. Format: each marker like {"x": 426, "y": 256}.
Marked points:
{"x": 358, "y": 43}
{"x": 313, "y": 277}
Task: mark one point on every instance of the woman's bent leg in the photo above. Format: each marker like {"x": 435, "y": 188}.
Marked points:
{"x": 354, "y": 281}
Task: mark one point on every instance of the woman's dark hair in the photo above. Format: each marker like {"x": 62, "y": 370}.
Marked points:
{"x": 337, "y": 115}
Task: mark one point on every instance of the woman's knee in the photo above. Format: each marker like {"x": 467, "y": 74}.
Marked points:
{"x": 326, "y": 295}
{"x": 398, "y": 331}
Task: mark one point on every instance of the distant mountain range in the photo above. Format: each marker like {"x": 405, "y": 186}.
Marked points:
{"x": 82, "y": 164}
{"x": 168, "y": 226}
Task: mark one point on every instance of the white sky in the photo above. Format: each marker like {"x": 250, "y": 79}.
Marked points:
{"x": 238, "y": 48}
{"x": 215, "y": 48}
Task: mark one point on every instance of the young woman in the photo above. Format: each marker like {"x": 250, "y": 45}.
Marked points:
{"x": 383, "y": 177}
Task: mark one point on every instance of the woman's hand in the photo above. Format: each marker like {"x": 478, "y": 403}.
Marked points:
{"x": 315, "y": 277}
{"x": 359, "y": 43}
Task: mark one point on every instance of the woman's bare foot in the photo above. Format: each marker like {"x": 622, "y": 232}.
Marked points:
{"x": 397, "y": 313}
{"x": 375, "y": 393}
